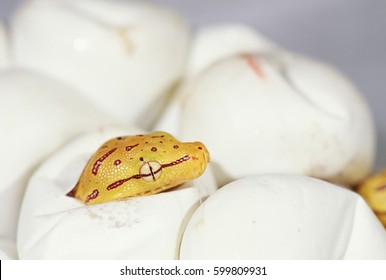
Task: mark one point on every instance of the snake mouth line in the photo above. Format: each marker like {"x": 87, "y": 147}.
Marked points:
{"x": 120, "y": 182}
{"x": 152, "y": 173}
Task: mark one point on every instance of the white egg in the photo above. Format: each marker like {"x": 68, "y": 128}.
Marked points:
{"x": 278, "y": 112}
{"x": 55, "y": 226}
{"x": 37, "y": 116}
{"x": 122, "y": 55}
{"x": 4, "y": 47}
{"x": 209, "y": 45}
{"x": 283, "y": 217}
{"x": 7, "y": 249}
{"x": 213, "y": 43}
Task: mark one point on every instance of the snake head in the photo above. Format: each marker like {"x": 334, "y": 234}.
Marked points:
{"x": 138, "y": 165}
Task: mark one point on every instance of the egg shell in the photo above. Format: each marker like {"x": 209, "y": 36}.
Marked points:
{"x": 55, "y": 226}
{"x": 169, "y": 120}
{"x": 210, "y": 44}
{"x": 281, "y": 113}
{"x": 4, "y": 47}
{"x": 37, "y": 116}
{"x": 122, "y": 55}
{"x": 276, "y": 216}
{"x": 7, "y": 249}
{"x": 213, "y": 43}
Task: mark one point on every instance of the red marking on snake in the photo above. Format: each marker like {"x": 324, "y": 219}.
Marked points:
{"x": 93, "y": 195}
{"x": 117, "y": 162}
{"x": 175, "y": 146}
{"x": 122, "y": 181}
{"x": 153, "y": 149}
{"x": 178, "y": 161}
{"x": 381, "y": 188}
{"x": 98, "y": 163}
{"x": 253, "y": 63}
{"x": 117, "y": 184}
{"x": 160, "y": 136}
{"x": 128, "y": 148}
{"x": 139, "y": 176}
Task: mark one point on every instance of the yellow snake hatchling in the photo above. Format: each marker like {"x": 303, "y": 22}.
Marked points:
{"x": 373, "y": 191}
{"x": 139, "y": 165}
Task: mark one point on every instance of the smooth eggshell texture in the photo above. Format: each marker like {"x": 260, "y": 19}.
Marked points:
{"x": 278, "y": 112}
{"x": 37, "y": 115}
{"x": 55, "y": 226}
{"x": 123, "y": 55}
{"x": 209, "y": 45}
{"x": 7, "y": 249}
{"x": 283, "y": 217}
{"x": 213, "y": 43}
{"x": 4, "y": 47}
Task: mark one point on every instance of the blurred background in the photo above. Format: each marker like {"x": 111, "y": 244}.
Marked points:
{"x": 349, "y": 34}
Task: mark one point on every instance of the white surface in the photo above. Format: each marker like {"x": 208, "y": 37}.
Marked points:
{"x": 345, "y": 33}
{"x": 4, "y": 47}
{"x": 293, "y": 115}
{"x": 283, "y": 217}
{"x": 216, "y": 42}
{"x": 209, "y": 45}
{"x": 124, "y": 56}
{"x": 54, "y": 226}
{"x": 7, "y": 249}
{"x": 28, "y": 137}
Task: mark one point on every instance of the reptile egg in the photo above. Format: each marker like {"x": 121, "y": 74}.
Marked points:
{"x": 55, "y": 226}
{"x": 283, "y": 217}
{"x": 7, "y": 249}
{"x": 37, "y": 116}
{"x": 4, "y": 47}
{"x": 122, "y": 55}
{"x": 282, "y": 113}
{"x": 210, "y": 44}
{"x": 215, "y": 42}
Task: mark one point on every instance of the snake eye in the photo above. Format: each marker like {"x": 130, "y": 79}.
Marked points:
{"x": 150, "y": 171}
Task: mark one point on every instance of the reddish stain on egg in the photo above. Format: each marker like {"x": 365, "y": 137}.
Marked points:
{"x": 254, "y": 64}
